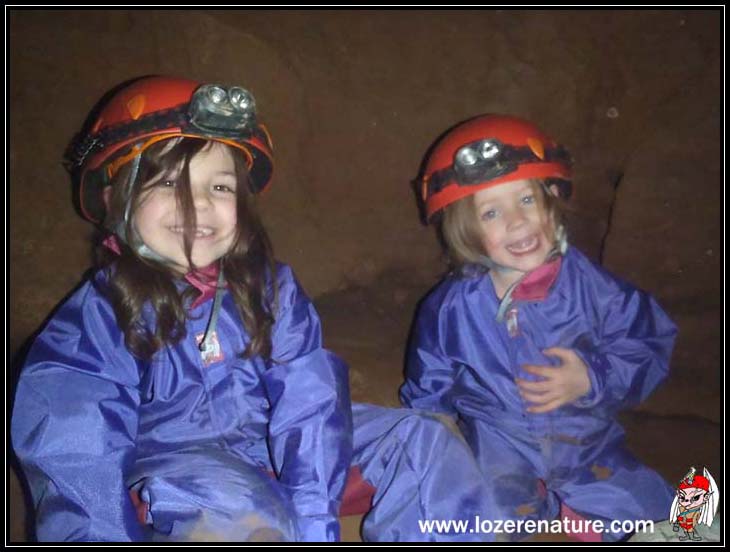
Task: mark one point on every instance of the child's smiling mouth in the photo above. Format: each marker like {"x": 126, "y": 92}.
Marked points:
{"x": 200, "y": 231}
{"x": 524, "y": 246}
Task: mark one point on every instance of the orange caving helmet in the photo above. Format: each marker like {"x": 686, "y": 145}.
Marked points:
{"x": 151, "y": 109}
{"x": 486, "y": 151}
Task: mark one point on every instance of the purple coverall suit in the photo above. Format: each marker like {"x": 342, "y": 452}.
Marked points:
{"x": 227, "y": 449}
{"x": 463, "y": 362}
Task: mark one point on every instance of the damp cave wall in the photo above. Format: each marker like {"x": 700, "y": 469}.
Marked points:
{"x": 353, "y": 99}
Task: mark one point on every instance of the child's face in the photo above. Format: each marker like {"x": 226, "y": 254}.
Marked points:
{"x": 159, "y": 222}
{"x": 516, "y": 229}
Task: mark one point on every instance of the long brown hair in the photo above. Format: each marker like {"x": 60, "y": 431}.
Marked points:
{"x": 135, "y": 281}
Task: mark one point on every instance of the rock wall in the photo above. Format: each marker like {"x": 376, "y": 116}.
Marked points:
{"x": 353, "y": 99}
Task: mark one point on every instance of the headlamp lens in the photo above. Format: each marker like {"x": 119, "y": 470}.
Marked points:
{"x": 489, "y": 149}
{"x": 216, "y": 94}
{"x": 240, "y": 98}
{"x": 466, "y": 157}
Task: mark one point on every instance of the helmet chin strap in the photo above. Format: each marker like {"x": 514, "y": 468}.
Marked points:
{"x": 135, "y": 240}
{"x": 558, "y": 249}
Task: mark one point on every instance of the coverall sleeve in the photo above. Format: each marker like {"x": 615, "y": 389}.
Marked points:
{"x": 633, "y": 353}
{"x": 74, "y": 424}
{"x": 430, "y": 372}
{"x": 310, "y": 429}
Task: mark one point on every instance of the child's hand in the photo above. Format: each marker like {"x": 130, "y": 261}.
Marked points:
{"x": 561, "y": 384}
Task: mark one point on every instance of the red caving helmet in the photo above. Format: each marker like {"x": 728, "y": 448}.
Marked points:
{"x": 151, "y": 109}
{"x": 486, "y": 151}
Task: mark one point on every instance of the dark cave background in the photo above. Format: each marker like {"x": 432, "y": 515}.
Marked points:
{"x": 353, "y": 100}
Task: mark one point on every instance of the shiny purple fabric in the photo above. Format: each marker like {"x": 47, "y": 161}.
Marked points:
{"x": 461, "y": 361}
{"x": 197, "y": 441}
{"x": 90, "y": 420}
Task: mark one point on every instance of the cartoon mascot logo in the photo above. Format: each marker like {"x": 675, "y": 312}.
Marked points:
{"x": 695, "y": 504}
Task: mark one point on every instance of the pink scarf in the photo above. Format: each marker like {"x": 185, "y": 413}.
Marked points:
{"x": 536, "y": 285}
{"x": 204, "y": 279}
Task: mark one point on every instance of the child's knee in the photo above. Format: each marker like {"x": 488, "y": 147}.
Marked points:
{"x": 200, "y": 508}
{"x": 432, "y": 426}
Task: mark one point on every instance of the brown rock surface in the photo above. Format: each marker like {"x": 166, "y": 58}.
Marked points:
{"x": 353, "y": 99}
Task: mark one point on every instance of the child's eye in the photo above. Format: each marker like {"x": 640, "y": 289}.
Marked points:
{"x": 224, "y": 188}
{"x": 489, "y": 215}
{"x": 167, "y": 183}
{"x": 528, "y": 199}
